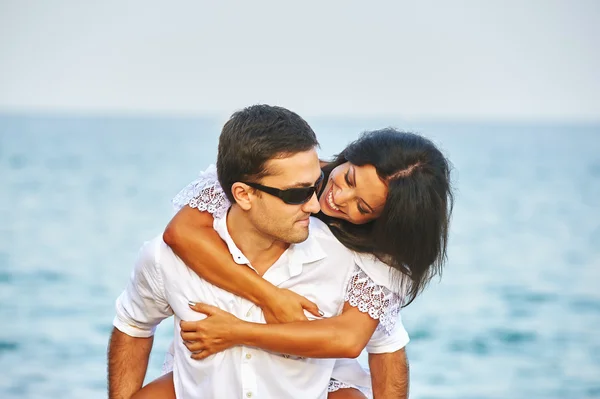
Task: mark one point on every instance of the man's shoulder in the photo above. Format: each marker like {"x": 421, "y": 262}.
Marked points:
{"x": 320, "y": 231}
{"x": 157, "y": 251}
{"x": 318, "y": 228}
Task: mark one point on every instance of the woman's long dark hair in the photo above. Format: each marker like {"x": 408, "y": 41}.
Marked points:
{"x": 411, "y": 234}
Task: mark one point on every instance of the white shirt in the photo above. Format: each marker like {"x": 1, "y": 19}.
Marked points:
{"x": 161, "y": 285}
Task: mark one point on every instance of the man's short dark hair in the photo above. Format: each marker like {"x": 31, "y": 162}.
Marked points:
{"x": 255, "y": 135}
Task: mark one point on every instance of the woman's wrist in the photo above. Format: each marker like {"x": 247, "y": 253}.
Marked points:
{"x": 241, "y": 334}
{"x": 267, "y": 295}
{"x": 249, "y": 285}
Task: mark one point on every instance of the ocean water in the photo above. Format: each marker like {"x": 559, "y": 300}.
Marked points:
{"x": 516, "y": 313}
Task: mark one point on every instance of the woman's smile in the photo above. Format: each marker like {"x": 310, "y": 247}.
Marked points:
{"x": 330, "y": 201}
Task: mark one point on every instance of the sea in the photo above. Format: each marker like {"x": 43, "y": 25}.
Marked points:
{"x": 516, "y": 313}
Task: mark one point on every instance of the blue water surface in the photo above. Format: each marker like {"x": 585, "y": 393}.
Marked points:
{"x": 516, "y": 313}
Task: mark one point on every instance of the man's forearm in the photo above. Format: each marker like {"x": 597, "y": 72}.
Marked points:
{"x": 127, "y": 364}
{"x": 389, "y": 375}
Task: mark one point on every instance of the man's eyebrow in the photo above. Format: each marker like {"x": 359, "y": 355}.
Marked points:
{"x": 355, "y": 184}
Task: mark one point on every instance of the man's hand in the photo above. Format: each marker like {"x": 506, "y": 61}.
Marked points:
{"x": 285, "y": 306}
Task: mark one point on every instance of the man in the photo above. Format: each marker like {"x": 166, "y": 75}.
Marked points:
{"x": 273, "y": 147}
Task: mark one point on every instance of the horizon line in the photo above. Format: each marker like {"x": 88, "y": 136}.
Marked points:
{"x": 211, "y": 115}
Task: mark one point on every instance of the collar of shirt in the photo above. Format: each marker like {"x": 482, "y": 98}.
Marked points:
{"x": 298, "y": 254}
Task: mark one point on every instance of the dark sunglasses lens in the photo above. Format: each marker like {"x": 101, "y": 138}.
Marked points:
{"x": 296, "y": 196}
{"x": 319, "y": 184}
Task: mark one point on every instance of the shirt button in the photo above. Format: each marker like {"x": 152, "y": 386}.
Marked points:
{"x": 248, "y": 394}
{"x": 248, "y": 313}
{"x": 248, "y": 356}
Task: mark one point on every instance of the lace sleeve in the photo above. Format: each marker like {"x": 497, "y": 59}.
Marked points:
{"x": 204, "y": 193}
{"x": 381, "y": 303}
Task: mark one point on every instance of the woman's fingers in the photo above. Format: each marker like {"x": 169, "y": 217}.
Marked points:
{"x": 311, "y": 307}
{"x": 201, "y": 355}
{"x": 194, "y": 346}
{"x": 188, "y": 325}
{"x": 192, "y": 326}
{"x": 190, "y": 336}
{"x": 208, "y": 310}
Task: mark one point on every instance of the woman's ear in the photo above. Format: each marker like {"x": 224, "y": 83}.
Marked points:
{"x": 242, "y": 194}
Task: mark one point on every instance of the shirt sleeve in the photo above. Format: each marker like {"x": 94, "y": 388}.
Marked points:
{"x": 143, "y": 304}
{"x": 369, "y": 297}
{"x": 384, "y": 342}
{"x": 204, "y": 193}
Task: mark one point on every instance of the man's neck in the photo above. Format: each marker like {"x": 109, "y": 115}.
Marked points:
{"x": 261, "y": 251}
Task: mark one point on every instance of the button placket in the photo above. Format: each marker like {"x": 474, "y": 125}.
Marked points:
{"x": 248, "y": 376}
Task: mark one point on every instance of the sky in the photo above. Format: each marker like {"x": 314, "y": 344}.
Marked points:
{"x": 484, "y": 60}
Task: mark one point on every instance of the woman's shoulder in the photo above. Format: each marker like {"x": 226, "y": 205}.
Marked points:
{"x": 204, "y": 193}
{"x": 381, "y": 273}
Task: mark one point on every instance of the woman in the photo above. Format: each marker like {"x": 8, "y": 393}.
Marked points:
{"x": 387, "y": 194}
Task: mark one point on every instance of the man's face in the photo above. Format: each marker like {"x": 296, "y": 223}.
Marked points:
{"x": 276, "y": 219}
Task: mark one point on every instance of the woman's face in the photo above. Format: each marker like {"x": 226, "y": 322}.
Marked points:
{"x": 354, "y": 193}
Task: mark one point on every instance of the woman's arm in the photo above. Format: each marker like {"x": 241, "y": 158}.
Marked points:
{"x": 161, "y": 388}
{"x": 343, "y": 336}
{"x": 191, "y": 236}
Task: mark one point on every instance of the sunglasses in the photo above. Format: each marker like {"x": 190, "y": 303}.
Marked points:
{"x": 291, "y": 196}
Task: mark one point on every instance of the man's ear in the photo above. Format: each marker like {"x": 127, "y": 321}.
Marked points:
{"x": 243, "y": 195}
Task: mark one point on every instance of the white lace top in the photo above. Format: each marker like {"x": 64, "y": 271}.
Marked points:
{"x": 370, "y": 288}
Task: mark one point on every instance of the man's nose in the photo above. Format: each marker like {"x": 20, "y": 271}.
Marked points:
{"x": 312, "y": 205}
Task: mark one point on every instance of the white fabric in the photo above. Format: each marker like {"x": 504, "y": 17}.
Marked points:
{"x": 378, "y": 301}
{"x": 382, "y": 274}
{"x": 204, "y": 193}
{"x": 335, "y": 385}
{"x": 353, "y": 372}
{"x": 348, "y": 372}
{"x": 373, "y": 284}
{"x": 161, "y": 285}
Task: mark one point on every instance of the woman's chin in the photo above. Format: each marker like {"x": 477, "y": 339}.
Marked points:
{"x": 327, "y": 211}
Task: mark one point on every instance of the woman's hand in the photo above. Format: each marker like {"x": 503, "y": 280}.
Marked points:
{"x": 285, "y": 306}
{"x": 212, "y": 335}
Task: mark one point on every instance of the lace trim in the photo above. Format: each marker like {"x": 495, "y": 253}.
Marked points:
{"x": 204, "y": 193}
{"x": 334, "y": 385}
{"x": 378, "y": 301}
